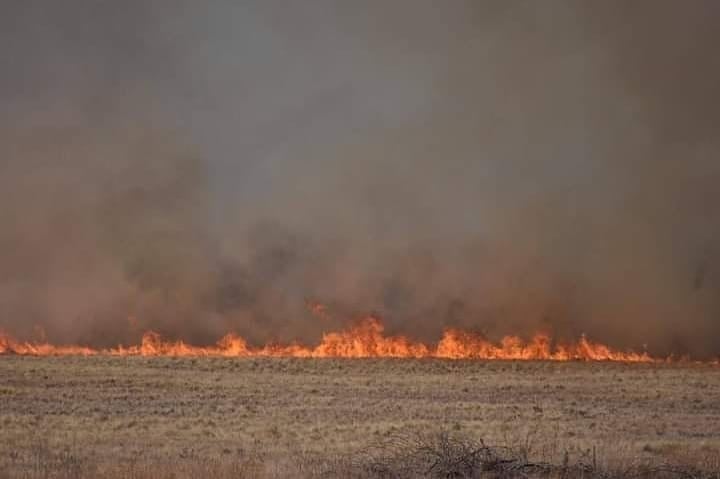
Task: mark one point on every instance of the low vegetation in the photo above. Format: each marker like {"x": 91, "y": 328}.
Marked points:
{"x": 74, "y": 417}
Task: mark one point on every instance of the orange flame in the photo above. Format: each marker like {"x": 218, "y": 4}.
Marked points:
{"x": 10, "y": 346}
{"x": 364, "y": 340}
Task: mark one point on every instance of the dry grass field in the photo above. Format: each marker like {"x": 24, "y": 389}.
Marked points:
{"x": 134, "y": 417}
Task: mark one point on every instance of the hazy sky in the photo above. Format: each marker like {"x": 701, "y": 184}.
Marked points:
{"x": 505, "y": 166}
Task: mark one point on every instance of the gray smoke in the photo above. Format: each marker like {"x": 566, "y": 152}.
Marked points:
{"x": 504, "y": 166}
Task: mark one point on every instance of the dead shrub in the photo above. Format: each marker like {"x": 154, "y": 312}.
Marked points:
{"x": 446, "y": 455}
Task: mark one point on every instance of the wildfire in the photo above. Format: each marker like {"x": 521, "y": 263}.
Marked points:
{"x": 363, "y": 340}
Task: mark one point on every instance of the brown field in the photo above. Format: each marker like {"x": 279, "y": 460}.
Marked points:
{"x": 140, "y": 417}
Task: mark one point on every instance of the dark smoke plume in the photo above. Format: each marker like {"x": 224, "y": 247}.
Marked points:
{"x": 504, "y": 166}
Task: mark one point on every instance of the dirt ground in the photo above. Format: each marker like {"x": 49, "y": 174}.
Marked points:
{"x": 107, "y": 411}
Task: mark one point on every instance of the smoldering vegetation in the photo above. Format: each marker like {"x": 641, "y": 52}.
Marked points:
{"x": 506, "y": 167}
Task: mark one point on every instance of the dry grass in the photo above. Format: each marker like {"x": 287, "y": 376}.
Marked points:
{"x": 212, "y": 417}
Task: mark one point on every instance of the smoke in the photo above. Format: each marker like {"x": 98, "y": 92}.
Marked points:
{"x": 501, "y": 166}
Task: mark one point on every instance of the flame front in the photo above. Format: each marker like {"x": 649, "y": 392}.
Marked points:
{"x": 364, "y": 340}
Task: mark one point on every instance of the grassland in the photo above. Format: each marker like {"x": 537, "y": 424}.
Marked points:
{"x": 140, "y": 417}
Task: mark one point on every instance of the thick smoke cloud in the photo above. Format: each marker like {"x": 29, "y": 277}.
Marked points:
{"x": 502, "y": 166}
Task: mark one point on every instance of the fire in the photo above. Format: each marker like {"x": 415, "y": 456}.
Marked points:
{"x": 366, "y": 339}
{"x": 10, "y": 346}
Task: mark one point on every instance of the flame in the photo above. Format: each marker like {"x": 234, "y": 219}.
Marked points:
{"x": 366, "y": 339}
{"x": 8, "y": 345}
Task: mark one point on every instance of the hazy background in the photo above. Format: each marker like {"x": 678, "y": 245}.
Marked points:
{"x": 506, "y": 166}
